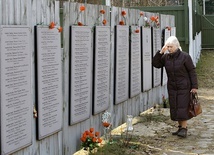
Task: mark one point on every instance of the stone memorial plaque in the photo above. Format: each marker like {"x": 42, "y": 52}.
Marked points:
{"x": 173, "y": 31}
{"x": 156, "y": 44}
{"x": 16, "y": 104}
{"x": 101, "y": 69}
{"x": 48, "y": 81}
{"x": 146, "y": 58}
{"x": 121, "y": 85}
{"x": 164, "y": 76}
{"x": 80, "y": 73}
{"x": 135, "y": 61}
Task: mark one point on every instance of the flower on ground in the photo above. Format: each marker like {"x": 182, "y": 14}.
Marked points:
{"x": 90, "y": 140}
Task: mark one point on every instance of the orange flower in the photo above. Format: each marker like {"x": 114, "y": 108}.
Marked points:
{"x": 97, "y": 134}
{"x": 141, "y": 13}
{"x": 83, "y": 139}
{"x": 99, "y": 140}
{"x": 121, "y": 22}
{"x": 94, "y": 139}
{"x": 86, "y": 132}
{"x": 152, "y": 18}
{"x": 104, "y": 22}
{"x": 137, "y": 31}
{"x": 91, "y": 130}
{"x": 123, "y": 13}
{"x": 106, "y": 124}
{"x": 59, "y": 29}
{"x": 91, "y": 135}
{"x": 80, "y": 24}
{"x": 102, "y": 11}
{"x": 84, "y": 135}
{"x": 52, "y": 25}
{"x": 82, "y": 8}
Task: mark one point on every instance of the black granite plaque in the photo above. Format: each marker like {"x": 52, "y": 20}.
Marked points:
{"x": 135, "y": 61}
{"x": 156, "y": 43}
{"x": 80, "y": 73}
{"x": 101, "y": 69}
{"x": 16, "y": 103}
{"x": 121, "y": 63}
{"x": 48, "y": 81}
{"x": 146, "y": 58}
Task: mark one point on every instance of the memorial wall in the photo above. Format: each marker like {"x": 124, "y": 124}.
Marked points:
{"x": 89, "y": 75}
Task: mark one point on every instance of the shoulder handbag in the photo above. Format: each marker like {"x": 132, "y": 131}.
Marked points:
{"x": 194, "y": 105}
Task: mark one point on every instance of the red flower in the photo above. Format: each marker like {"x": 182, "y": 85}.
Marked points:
{"x": 102, "y": 11}
{"x": 82, "y": 8}
{"x": 97, "y": 134}
{"x": 80, "y": 24}
{"x": 137, "y": 31}
{"x": 104, "y": 21}
{"x": 86, "y": 132}
{"x": 91, "y": 130}
{"x": 94, "y": 139}
{"x": 83, "y": 139}
{"x": 106, "y": 124}
{"x": 121, "y": 22}
{"x": 99, "y": 140}
{"x": 52, "y": 25}
{"x": 123, "y": 13}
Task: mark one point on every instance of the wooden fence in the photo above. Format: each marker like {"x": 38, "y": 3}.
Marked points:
{"x": 37, "y": 12}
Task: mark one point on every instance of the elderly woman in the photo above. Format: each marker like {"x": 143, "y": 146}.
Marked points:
{"x": 182, "y": 80}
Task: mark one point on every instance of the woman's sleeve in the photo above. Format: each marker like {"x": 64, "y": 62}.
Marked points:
{"x": 191, "y": 71}
{"x": 157, "y": 60}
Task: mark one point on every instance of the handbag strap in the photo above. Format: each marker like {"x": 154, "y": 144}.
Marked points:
{"x": 193, "y": 97}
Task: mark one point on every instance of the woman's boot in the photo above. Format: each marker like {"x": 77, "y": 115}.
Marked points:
{"x": 176, "y": 132}
{"x": 182, "y": 132}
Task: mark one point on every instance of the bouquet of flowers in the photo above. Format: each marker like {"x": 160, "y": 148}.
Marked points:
{"x": 90, "y": 139}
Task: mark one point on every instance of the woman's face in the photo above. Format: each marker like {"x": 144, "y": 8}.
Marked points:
{"x": 171, "y": 48}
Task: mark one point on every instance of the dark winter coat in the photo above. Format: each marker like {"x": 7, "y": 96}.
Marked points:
{"x": 181, "y": 79}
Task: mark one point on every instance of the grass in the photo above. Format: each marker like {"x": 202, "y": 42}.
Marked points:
{"x": 205, "y": 70}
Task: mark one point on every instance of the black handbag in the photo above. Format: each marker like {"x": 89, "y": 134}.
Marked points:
{"x": 194, "y": 105}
